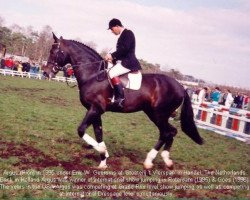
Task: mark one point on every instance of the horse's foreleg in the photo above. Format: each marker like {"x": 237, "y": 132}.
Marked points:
{"x": 89, "y": 119}
{"x": 97, "y": 124}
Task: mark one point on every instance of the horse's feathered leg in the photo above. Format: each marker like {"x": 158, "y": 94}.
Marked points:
{"x": 93, "y": 116}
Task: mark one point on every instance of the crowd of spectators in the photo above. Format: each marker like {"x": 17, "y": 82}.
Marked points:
{"x": 216, "y": 96}
{"x": 11, "y": 64}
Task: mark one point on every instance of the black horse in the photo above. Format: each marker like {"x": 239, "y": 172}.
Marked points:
{"x": 159, "y": 96}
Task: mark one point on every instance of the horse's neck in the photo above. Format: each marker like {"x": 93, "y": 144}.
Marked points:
{"x": 84, "y": 65}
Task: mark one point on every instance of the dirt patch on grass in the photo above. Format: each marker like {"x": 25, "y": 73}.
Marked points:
{"x": 18, "y": 89}
{"x": 32, "y": 158}
{"x": 54, "y": 100}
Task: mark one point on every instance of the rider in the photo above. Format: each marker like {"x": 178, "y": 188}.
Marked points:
{"x": 123, "y": 58}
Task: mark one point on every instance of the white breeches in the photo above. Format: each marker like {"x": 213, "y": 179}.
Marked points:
{"x": 117, "y": 70}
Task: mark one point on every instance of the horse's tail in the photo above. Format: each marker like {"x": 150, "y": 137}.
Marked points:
{"x": 187, "y": 121}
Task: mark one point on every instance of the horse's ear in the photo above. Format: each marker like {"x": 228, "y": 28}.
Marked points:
{"x": 55, "y": 38}
{"x": 61, "y": 38}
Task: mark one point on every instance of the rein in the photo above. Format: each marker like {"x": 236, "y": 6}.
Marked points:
{"x": 100, "y": 66}
{"x": 102, "y": 62}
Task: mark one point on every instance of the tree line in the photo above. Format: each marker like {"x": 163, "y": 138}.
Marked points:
{"x": 26, "y": 41}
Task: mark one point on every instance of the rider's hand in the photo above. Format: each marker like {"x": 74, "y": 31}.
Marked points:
{"x": 108, "y": 57}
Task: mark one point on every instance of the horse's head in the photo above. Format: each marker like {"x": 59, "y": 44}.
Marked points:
{"x": 57, "y": 58}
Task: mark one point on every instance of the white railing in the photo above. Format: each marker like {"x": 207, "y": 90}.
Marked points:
{"x": 63, "y": 79}
{"x": 230, "y": 122}
{"x": 7, "y": 72}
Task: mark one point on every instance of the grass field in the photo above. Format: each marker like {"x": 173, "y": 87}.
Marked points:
{"x": 38, "y": 124}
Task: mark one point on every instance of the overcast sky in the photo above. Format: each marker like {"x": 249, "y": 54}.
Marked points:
{"x": 208, "y": 39}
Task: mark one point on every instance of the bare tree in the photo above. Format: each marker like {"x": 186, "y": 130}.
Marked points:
{"x": 1, "y": 21}
{"x": 175, "y": 73}
{"x": 43, "y": 44}
{"x": 17, "y": 29}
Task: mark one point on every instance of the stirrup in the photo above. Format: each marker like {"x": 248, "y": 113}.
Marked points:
{"x": 119, "y": 102}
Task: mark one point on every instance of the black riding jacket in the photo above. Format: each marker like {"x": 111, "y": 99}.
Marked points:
{"x": 125, "y": 51}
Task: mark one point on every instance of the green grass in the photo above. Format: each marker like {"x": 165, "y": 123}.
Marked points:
{"x": 38, "y": 127}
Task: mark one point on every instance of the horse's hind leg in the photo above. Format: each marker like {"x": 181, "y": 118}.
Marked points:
{"x": 169, "y": 138}
{"x": 167, "y": 132}
{"x": 161, "y": 124}
{"x": 148, "y": 163}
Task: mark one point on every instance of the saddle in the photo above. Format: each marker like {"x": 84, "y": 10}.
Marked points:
{"x": 132, "y": 80}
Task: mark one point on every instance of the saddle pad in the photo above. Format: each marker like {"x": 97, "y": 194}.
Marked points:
{"x": 132, "y": 80}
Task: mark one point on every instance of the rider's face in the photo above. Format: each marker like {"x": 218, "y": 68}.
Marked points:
{"x": 115, "y": 30}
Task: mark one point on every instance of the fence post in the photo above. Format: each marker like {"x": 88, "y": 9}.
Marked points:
{"x": 204, "y": 113}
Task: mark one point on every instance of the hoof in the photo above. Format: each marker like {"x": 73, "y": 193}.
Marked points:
{"x": 102, "y": 166}
{"x": 148, "y": 166}
{"x": 170, "y": 164}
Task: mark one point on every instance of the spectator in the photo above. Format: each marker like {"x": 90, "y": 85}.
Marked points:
{"x": 2, "y": 63}
{"x": 208, "y": 95}
{"x": 223, "y": 97}
{"x": 70, "y": 72}
{"x": 37, "y": 68}
{"x": 194, "y": 97}
{"x": 241, "y": 100}
{"x": 215, "y": 96}
{"x": 229, "y": 99}
{"x": 9, "y": 63}
{"x": 246, "y": 102}
{"x": 202, "y": 95}
{"x": 19, "y": 66}
{"x": 26, "y": 67}
{"x": 238, "y": 100}
{"x": 33, "y": 68}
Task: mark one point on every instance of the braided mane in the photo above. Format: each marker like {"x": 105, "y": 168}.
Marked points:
{"x": 88, "y": 48}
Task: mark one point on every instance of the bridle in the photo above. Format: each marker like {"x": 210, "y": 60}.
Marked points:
{"x": 56, "y": 68}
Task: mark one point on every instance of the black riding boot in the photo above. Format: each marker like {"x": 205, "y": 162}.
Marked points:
{"x": 119, "y": 95}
